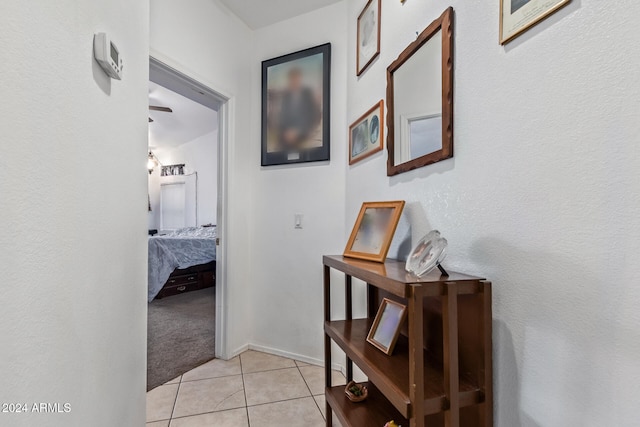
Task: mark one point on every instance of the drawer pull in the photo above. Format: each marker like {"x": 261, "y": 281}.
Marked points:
{"x": 191, "y": 278}
{"x": 181, "y": 288}
{"x": 172, "y": 281}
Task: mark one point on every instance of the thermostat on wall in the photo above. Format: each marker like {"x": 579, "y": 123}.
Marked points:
{"x": 108, "y": 55}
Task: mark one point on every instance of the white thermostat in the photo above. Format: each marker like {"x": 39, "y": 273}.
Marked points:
{"x": 108, "y": 55}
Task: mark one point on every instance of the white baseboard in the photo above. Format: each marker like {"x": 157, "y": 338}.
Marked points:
{"x": 239, "y": 350}
{"x": 295, "y": 356}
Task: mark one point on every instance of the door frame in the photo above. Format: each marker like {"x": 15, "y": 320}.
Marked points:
{"x": 168, "y": 73}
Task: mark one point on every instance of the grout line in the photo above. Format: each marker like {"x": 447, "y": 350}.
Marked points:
{"x": 175, "y": 401}
{"x": 311, "y": 392}
{"x": 246, "y": 404}
{"x": 212, "y": 378}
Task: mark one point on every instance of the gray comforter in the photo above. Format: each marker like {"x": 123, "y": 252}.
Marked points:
{"x": 180, "y": 249}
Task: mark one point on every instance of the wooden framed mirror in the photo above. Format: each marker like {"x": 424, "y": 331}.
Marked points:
{"x": 420, "y": 100}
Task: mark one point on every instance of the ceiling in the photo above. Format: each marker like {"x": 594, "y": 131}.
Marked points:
{"x": 188, "y": 121}
{"x": 260, "y": 13}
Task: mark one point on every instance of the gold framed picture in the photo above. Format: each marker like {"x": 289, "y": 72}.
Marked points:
{"x": 374, "y": 230}
{"x": 385, "y": 329}
{"x": 517, "y": 16}
{"x": 368, "y": 35}
{"x": 366, "y": 134}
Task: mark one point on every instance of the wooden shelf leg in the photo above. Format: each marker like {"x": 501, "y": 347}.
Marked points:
{"x": 486, "y": 332}
{"x": 327, "y": 341}
{"x": 348, "y": 308}
{"x": 450, "y": 354}
{"x": 416, "y": 357}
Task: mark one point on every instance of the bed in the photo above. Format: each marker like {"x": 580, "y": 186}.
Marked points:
{"x": 181, "y": 261}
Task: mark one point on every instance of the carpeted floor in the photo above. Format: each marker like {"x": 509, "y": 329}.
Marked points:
{"x": 181, "y": 335}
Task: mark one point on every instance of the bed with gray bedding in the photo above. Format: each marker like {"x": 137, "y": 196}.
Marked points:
{"x": 180, "y": 249}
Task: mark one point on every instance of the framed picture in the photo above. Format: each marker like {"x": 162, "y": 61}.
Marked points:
{"x": 366, "y": 134}
{"x": 368, "y": 35}
{"x": 295, "y": 107}
{"x": 517, "y": 16}
{"x": 373, "y": 230}
{"x": 386, "y": 326}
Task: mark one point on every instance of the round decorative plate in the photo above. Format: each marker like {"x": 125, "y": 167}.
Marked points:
{"x": 427, "y": 254}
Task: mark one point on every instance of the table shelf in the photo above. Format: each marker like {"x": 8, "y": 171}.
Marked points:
{"x": 391, "y": 373}
{"x": 440, "y": 372}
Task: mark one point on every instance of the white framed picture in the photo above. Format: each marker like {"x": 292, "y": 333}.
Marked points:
{"x": 517, "y": 16}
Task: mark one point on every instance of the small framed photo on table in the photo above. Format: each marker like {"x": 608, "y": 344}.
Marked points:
{"x": 296, "y": 107}
{"x": 368, "y": 35}
{"x": 366, "y": 134}
{"x": 386, "y": 326}
{"x": 373, "y": 231}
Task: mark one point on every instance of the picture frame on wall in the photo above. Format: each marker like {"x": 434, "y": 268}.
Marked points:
{"x": 366, "y": 135}
{"x": 296, "y": 107}
{"x": 517, "y": 16}
{"x": 368, "y": 35}
{"x": 385, "y": 329}
{"x": 373, "y": 231}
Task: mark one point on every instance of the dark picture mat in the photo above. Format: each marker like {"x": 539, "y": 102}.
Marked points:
{"x": 313, "y": 154}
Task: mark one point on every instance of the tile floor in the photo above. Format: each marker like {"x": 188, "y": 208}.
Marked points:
{"x": 252, "y": 390}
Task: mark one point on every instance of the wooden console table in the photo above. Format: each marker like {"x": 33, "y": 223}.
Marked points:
{"x": 440, "y": 373}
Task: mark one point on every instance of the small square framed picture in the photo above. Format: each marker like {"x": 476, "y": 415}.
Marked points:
{"x": 366, "y": 134}
{"x": 385, "y": 329}
{"x": 373, "y": 231}
{"x": 368, "y": 35}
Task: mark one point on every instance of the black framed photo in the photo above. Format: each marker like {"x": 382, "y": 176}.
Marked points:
{"x": 296, "y": 107}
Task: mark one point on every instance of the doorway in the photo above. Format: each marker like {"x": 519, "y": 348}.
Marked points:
{"x": 175, "y": 80}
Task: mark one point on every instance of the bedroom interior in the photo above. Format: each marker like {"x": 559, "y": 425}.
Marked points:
{"x": 182, "y": 166}
{"x": 537, "y": 195}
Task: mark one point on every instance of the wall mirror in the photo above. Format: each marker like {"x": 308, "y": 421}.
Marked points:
{"x": 420, "y": 100}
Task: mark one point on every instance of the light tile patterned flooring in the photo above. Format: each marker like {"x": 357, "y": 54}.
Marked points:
{"x": 252, "y": 390}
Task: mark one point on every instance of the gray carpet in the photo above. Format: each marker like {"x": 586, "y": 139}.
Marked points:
{"x": 181, "y": 335}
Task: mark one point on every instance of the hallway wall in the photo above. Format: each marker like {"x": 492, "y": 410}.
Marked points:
{"x": 72, "y": 186}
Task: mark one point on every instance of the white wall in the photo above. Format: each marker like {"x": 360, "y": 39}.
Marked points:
{"x": 205, "y": 41}
{"x": 287, "y": 264}
{"x": 201, "y": 156}
{"x": 542, "y": 197}
{"x": 73, "y": 261}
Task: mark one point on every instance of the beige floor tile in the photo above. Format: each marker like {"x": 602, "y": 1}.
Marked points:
{"x": 232, "y": 418}
{"x": 314, "y": 376}
{"x": 215, "y": 368}
{"x": 299, "y": 363}
{"x": 298, "y": 412}
{"x": 159, "y": 424}
{"x": 320, "y": 400}
{"x": 215, "y": 394}
{"x": 253, "y": 361}
{"x": 273, "y": 386}
{"x": 160, "y": 402}
{"x": 176, "y": 380}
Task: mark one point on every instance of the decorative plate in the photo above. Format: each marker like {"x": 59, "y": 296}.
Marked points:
{"x": 427, "y": 254}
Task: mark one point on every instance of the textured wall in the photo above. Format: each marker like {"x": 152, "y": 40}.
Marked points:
{"x": 542, "y": 197}
{"x": 72, "y": 187}
{"x": 287, "y": 271}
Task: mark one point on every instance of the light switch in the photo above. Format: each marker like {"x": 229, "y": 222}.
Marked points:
{"x": 297, "y": 221}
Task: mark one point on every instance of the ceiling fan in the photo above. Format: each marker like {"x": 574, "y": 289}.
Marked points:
{"x": 156, "y": 108}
